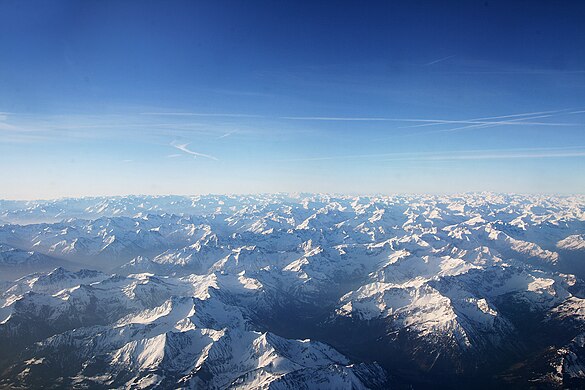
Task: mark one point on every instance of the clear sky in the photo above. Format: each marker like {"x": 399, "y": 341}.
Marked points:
{"x": 172, "y": 97}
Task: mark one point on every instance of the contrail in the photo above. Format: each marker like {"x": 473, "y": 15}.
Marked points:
{"x": 572, "y": 151}
{"x": 518, "y": 121}
{"x": 439, "y": 60}
{"x": 433, "y": 121}
{"x": 497, "y": 123}
{"x": 501, "y": 156}
{"x": 183, "y": 148}
{"x": 227, "y": 134}
{"x": 527, "y": 116}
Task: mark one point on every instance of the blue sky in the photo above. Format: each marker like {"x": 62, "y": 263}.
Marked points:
{"x": 153, "y": 97}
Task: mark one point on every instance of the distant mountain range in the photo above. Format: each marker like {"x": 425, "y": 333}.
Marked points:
{"x": 297, "y": 291}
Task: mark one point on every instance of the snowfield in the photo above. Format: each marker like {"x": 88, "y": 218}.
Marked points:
{"x": 292, "y": 291}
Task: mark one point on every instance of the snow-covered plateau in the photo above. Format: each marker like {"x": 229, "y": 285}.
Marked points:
{"x": 293, "y": 291}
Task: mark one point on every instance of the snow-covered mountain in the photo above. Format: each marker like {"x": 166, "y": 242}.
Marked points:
{"x": 293, "y": 291}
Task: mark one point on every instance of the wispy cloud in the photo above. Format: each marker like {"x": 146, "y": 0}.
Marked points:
{"x": 475, "y": 154}
{"x": 512, "y": 119}
{"x": 438, "y": 60}
{"x": 183, "y": 124}
{"x": 88, "y": 127}
{"x": 234, "y": 92}
{"x": 490, "y": 67}
{"x": 520, "y": 72}
{"x": 517, "y": 121}
{"x": 184, "y": 148}
{"x": 174, "y": 155}
{"x": 331, "y": 118}
{"x": 202, "y": 114}
{"x": 501, "y": 155}
{"x": 227, "y": 134}
{"x": 433, "y": 121}
{"x": 525, "y": 116}
{"x": 8, "y": 127}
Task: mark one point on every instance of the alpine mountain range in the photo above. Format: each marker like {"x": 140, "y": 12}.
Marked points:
{"x": 293, "y": 291}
